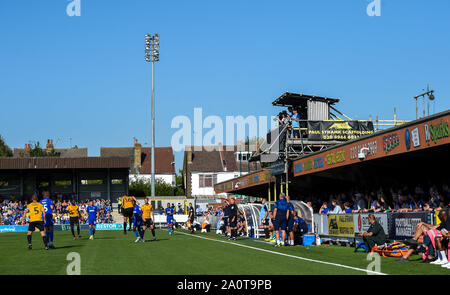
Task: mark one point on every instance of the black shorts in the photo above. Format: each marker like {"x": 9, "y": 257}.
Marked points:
{"x": 128, "y": 212}
{"x": 280, "y": 223}
{"x": 74, "y": 220}
{"x": 265, "y": 222}
{"x": 233, "y": 223}
{"x": 148, "y": 222}
{"x": 36, "y": 224}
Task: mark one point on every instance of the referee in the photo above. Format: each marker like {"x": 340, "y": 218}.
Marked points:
{"x": 233, "y": 219}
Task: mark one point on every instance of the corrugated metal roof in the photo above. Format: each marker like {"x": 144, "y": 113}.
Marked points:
{"x": 64, "y": 163}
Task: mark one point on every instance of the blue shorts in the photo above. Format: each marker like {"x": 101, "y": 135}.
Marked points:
{"x": 290, "y": 224}
{"x": 138, "y": 222}
{"x": 91, "y": 221}
{"x": 280, "y": 223}
{"x": 170, "y": 219}
{"x": 48, "y": 220}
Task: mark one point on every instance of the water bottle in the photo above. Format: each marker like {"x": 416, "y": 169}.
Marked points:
{"x": 317, "y": 241}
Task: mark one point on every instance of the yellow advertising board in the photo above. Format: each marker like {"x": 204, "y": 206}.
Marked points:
{"x": 341, "y": 225}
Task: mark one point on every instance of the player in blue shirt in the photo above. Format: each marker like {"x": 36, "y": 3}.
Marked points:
{"x": 170, "y": 220}
{"x": 48, "y": 208}
{"x": 290, "y": 222}
{"x": 138, "y": 222}
{"x": 280, "y": 223}
{"x": 92, "y": 218}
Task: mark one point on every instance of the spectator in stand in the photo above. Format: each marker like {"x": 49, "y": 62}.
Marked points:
{"x": 347, "y": 208}
{"x": 180, "y": 209}
{"x": 336, "y": 208}
{"x": 324, "y": 209}
{"x": 361, "y": 205}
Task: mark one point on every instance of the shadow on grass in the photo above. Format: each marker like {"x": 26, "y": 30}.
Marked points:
{"x": 157, "y": 240}
{"x": 65, "y": 247}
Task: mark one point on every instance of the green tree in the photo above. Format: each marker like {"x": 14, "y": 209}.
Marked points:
{"x": 37, "y": 151}
{"x": 5, "y": 150}
{"x": 143, "y": 187}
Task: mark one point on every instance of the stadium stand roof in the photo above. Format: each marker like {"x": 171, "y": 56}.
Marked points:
{"x": 416, "y": 150}
{"x": 63, "y": 163}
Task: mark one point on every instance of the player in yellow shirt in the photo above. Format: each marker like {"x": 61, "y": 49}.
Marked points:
{"x": 36, "y": 212}
{"x": 148, "y": 215}
{"x": 127, "y": 205}
{"x": 74, "y": 214}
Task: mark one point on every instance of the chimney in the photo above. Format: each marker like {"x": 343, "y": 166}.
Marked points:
{"x": 189, "y": 156}
{"x": 49, "y": 146}
{"x": 27, "y": 150}
{"x": 137, "y": 154}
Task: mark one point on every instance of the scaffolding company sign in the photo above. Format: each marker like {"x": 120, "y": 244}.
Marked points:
{"x": 338, "y": 130}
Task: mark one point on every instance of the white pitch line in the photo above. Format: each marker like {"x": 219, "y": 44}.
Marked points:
{"x": 283, "y": 254}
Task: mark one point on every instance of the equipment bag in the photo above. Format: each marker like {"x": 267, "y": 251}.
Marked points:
{"x": 395, "y": 249}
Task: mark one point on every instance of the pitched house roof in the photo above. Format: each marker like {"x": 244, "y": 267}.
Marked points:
{"x": 217, "y": 159}
{"x": 64, "y": 153}
{"x": 163, "y": 158}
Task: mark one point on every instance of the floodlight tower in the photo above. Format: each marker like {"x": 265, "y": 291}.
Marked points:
{"x": 152, "y": 55}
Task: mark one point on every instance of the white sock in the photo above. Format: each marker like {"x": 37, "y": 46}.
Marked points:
{"x": 278, "y": 242}
{"x": 444, "y": 258}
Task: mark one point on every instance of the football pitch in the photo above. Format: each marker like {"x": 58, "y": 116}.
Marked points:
{"x": 113, "y": 253}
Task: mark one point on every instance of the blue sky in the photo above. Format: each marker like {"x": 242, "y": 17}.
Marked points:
{"x": 85, "y": 77}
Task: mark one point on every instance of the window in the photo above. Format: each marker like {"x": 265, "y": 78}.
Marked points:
{"x": 91, "y": 181}
{"x": 116, "y": 181}
{"x": 207, "y": 180}
{"x": 242, "y": 156}
{"x": 63, "y": 182}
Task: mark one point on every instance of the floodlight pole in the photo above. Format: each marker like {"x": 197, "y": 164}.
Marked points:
{"x": 430, "y": 96}
{"x": 152, "y": 55}
{"x": 153, "y": 130}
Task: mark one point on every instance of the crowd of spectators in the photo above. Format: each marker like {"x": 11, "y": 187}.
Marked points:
{"x": 403, "y": 199}
{"x": 11, "y": 212}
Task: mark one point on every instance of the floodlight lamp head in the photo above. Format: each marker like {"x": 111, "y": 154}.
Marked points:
{"x": 431, "y": 96}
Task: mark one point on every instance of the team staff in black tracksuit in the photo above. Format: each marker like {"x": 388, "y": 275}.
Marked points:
{"x": 233, "y": 219}
{"x": 191, "y": 217}
{"x": 226, "y": 215}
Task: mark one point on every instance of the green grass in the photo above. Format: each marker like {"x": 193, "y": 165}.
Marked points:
{"x": 112, "y": 252}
